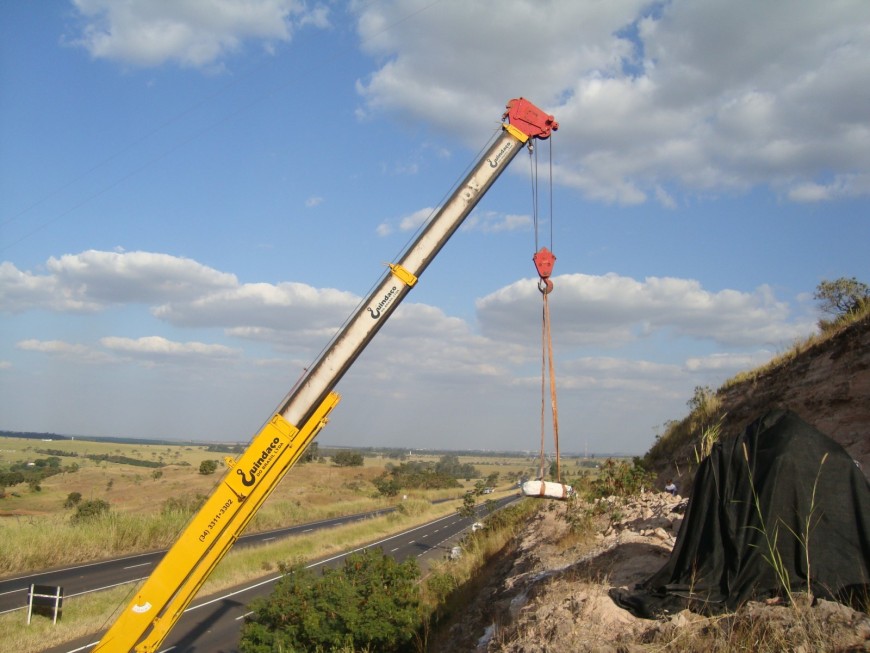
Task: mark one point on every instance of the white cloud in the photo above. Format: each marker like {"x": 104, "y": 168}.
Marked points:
{"x": 409, "y": 222}
{"x": 159, "y": 348}
{"x": 841, "y": 187}
{"x": 148, "y": 350}
{"x": 192, "y": 33}
{"x": 492, "y": 222}
{"x": 285, "y": 307}
{"x": 705, "y": 95}
{"x": 59, "y": 349}
{"x": 93, "y": 280}
{"x": 313, "y": 201}
{"x": 424, "y": 359}
{"x": 51, "y": 347}
{"x": 728, "y": 362}
{"x": 613, "y": 310}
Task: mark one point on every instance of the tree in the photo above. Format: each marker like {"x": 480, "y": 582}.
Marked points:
{"x": 371, "y": 603}
{"x": 467, "y": 508}
{"x": 842, "y": 297}
{"x": 89, "y": 510}
{"x": 311, "y": 453}
{"x": 388, "y": 486}
{"x": 207, "y": 467}
{"x": 72, "y": 499}
{"x": 449, "y": 465}
{"x": 348, "y": 459}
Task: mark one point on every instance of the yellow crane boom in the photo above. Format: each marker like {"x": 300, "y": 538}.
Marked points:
{"x": 159, "y": 603}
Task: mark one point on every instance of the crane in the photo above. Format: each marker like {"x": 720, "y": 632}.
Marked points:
{"x": 250, "y": 479}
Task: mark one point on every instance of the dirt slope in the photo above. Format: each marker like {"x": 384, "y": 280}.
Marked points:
{"x": 827, "y": 383}
{"x": 549, "y": 594}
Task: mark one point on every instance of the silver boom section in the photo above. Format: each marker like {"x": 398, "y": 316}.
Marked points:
{"x": 301, "y": 402}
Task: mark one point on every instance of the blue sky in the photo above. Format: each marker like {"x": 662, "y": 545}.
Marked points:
{"x": 194, "y": 195}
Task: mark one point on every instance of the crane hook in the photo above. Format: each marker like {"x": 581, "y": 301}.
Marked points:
{"x": 544, "y": 261}
{"x": 545, "y": 286}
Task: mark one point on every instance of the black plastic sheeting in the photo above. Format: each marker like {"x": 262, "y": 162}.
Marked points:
{"x": 778, "y": 509}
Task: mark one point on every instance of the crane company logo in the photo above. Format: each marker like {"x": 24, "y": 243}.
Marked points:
{"x": 265, "y": 457}
{"x": 507, "y": 147}
{"x": 376, "y": 311}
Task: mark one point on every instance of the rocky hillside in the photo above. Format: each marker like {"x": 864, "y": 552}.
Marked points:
{"x": 549, "y": 593}
{"x": 825, "y": 380}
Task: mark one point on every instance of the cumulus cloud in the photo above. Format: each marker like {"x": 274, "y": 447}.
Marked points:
{"x": 92, "y": 280}
{"x": 491, "y": 222}
{"x": 706, "y": 95}
{"x": 727, "y": 361}
{"x": 612, "y": 310}
{"x": 158, "y": 348}
{"x": 148, "y": 350}
{"x": 192, "y": 33}
{"x": 260, "y": 311}
{"x": 424, "y": 356}
{"x": 67, "y": 351}
{"x": 179, "y": 291}
{"x": 51, "y": 347}
{"x": 410, "y": 222}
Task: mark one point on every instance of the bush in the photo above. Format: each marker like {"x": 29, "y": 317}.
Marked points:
{"x": 348, "y": 459}
{"x": 618, "y": 478}
{"x": 371, "y": 603}
{"x": 72, "y": 499}
{"x": 90, "y": 510}
{"x": 207, "y": 467}
{"x": 387, "y": 486}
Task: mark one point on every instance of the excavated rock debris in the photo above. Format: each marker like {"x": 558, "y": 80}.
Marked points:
{"x": 549, "y": 594}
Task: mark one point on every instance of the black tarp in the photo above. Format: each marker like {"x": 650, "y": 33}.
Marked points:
{"x": 756, "y": 502}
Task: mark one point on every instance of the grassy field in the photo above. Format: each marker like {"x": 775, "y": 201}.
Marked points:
{"x": 38, "y": 530}
{"x": 90, "y": 613}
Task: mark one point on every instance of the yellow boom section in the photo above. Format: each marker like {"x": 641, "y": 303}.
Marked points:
{"x": 162, "y": 599}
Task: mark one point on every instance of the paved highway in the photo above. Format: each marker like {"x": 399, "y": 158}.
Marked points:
{"x": 212, "y": 624}
{"x": 94, "y": 576}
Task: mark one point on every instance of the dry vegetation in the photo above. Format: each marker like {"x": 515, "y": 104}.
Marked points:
{"x": 149, "y": 506}
{"x": 37, "y": 530}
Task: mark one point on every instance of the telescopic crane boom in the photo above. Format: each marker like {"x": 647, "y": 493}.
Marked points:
{"x": 162, "y": 599}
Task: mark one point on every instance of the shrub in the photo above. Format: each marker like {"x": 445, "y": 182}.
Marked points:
{"x": 72, "y": 499}
{"x": 371, "y": 603}
{"x": 387, "y": 486}
{"x": 348, "y": 459}
{"x": 207, "y": 467}
{"x": 90, "y": 510}
{"x": 618, "y": 478}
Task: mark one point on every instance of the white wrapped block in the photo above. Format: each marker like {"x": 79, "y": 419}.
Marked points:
{"x": 546, "y": 490}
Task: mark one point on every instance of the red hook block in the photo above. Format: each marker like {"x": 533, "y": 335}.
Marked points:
{"x": 544, "y": 261}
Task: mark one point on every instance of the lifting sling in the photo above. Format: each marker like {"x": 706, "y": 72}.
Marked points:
{"x": 544, "y": 260}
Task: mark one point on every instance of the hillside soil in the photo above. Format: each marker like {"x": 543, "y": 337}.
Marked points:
{"x": 548, "y": 593}
{"x": 826, "y": 382}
